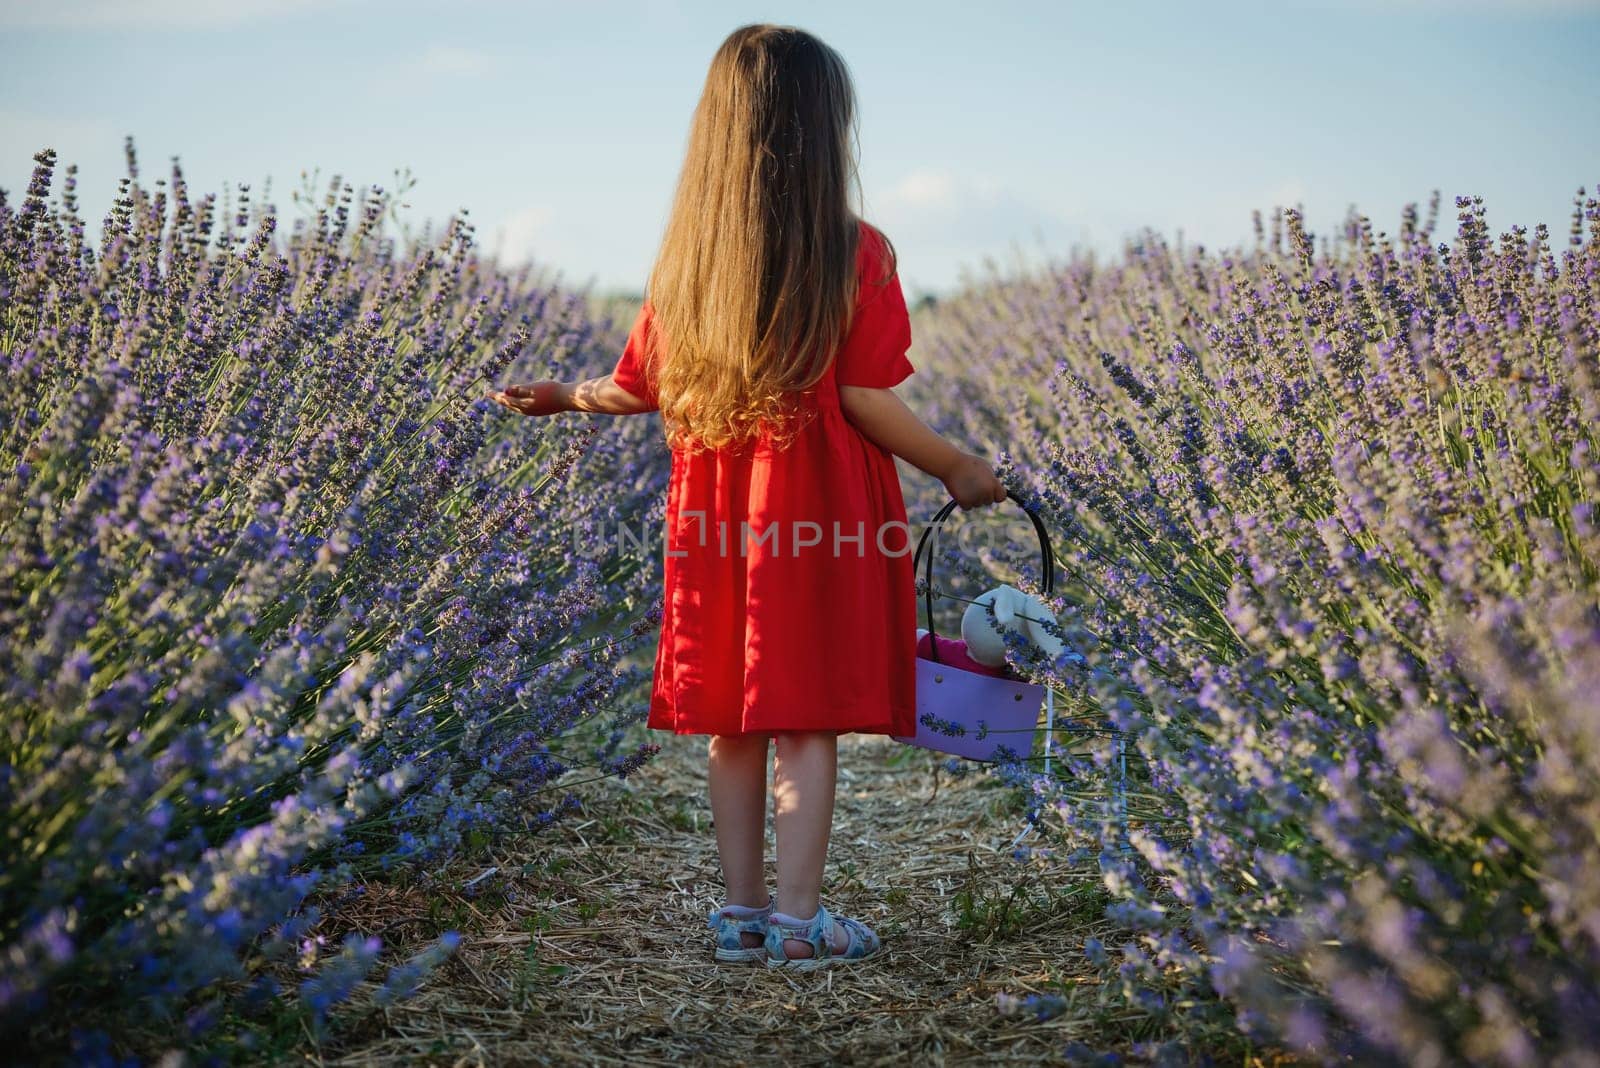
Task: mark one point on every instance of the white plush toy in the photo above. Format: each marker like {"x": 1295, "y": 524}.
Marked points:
{"x": 1013, "y": 610}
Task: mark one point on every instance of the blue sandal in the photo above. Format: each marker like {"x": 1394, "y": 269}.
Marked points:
{"x": 730, "y": 921}
{"x": 861, "y": 940}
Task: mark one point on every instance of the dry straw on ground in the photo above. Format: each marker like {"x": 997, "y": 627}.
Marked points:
{"x": 588, "y": 944}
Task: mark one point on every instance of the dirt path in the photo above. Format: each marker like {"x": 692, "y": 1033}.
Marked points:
{"x": 590, "y": 947}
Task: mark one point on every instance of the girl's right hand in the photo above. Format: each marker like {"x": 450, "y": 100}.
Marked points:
{"x": 539, "y": 398}
{"x": 973, "y": 483}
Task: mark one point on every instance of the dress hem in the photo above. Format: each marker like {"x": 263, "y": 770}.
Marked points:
{"x": 885, "y": 729}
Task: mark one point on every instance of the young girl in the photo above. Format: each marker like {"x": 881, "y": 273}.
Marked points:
{"x": 773, "y": 328}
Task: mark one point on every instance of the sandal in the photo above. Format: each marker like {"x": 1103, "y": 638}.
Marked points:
{"x": 730, "y": 921}
{"x": 861, "y": 940}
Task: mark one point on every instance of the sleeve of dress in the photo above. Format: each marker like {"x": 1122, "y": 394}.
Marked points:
{"x": 630, "y": 372}
{"x": 874, "y": 351}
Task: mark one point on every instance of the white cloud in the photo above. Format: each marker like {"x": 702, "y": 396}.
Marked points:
{"x": 144, "y": 14}
{"x": 949, "y": 226}
{"x": 923, "y": 189}
{"x": 945, "y": 224}
{"x": 522, "y": 236}
{"x": 451, "y": 60}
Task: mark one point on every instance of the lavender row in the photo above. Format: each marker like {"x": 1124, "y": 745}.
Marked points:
{"x": 283, "y": 599}
{"x": 1325, "y": 512}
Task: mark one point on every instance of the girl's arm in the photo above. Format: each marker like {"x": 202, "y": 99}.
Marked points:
{"x": 591, "y": 395}
{"x": 885, "y": 420}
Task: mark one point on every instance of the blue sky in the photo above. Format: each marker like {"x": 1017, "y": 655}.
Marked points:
{"x": 1006, "y": 131}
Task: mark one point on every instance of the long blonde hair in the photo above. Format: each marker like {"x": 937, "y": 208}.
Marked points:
{"x": 753, "y": 288}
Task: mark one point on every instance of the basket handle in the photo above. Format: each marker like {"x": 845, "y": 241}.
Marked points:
{"x": 1047, "y": 557}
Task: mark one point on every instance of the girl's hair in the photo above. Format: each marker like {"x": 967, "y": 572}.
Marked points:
{"x": 754, "y": 285}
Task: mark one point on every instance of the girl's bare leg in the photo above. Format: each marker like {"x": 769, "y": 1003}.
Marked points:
{"x": 736, "y": 771}
{"x": 803, "y": 785}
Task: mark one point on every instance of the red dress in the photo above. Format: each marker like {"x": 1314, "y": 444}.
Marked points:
{"x": 788, "y": 598}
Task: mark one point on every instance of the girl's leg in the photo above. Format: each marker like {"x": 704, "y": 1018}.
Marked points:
{"x": 736, "y": 771}
{"x": 803, "y": 785}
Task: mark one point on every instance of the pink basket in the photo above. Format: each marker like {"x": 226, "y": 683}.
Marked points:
{"x": 962, "y": 712}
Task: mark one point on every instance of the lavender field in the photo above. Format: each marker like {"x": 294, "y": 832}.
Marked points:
{"x": 288, "y": 615}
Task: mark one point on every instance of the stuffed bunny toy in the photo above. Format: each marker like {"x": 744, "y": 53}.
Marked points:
{"x": 982, "y": 648}
{"x": 1015, "y": 611}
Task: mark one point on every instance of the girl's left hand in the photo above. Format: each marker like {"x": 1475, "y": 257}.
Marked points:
{"x": 539, "y": 398}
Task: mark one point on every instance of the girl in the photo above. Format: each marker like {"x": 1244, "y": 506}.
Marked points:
{"x": 773, "y": 328}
